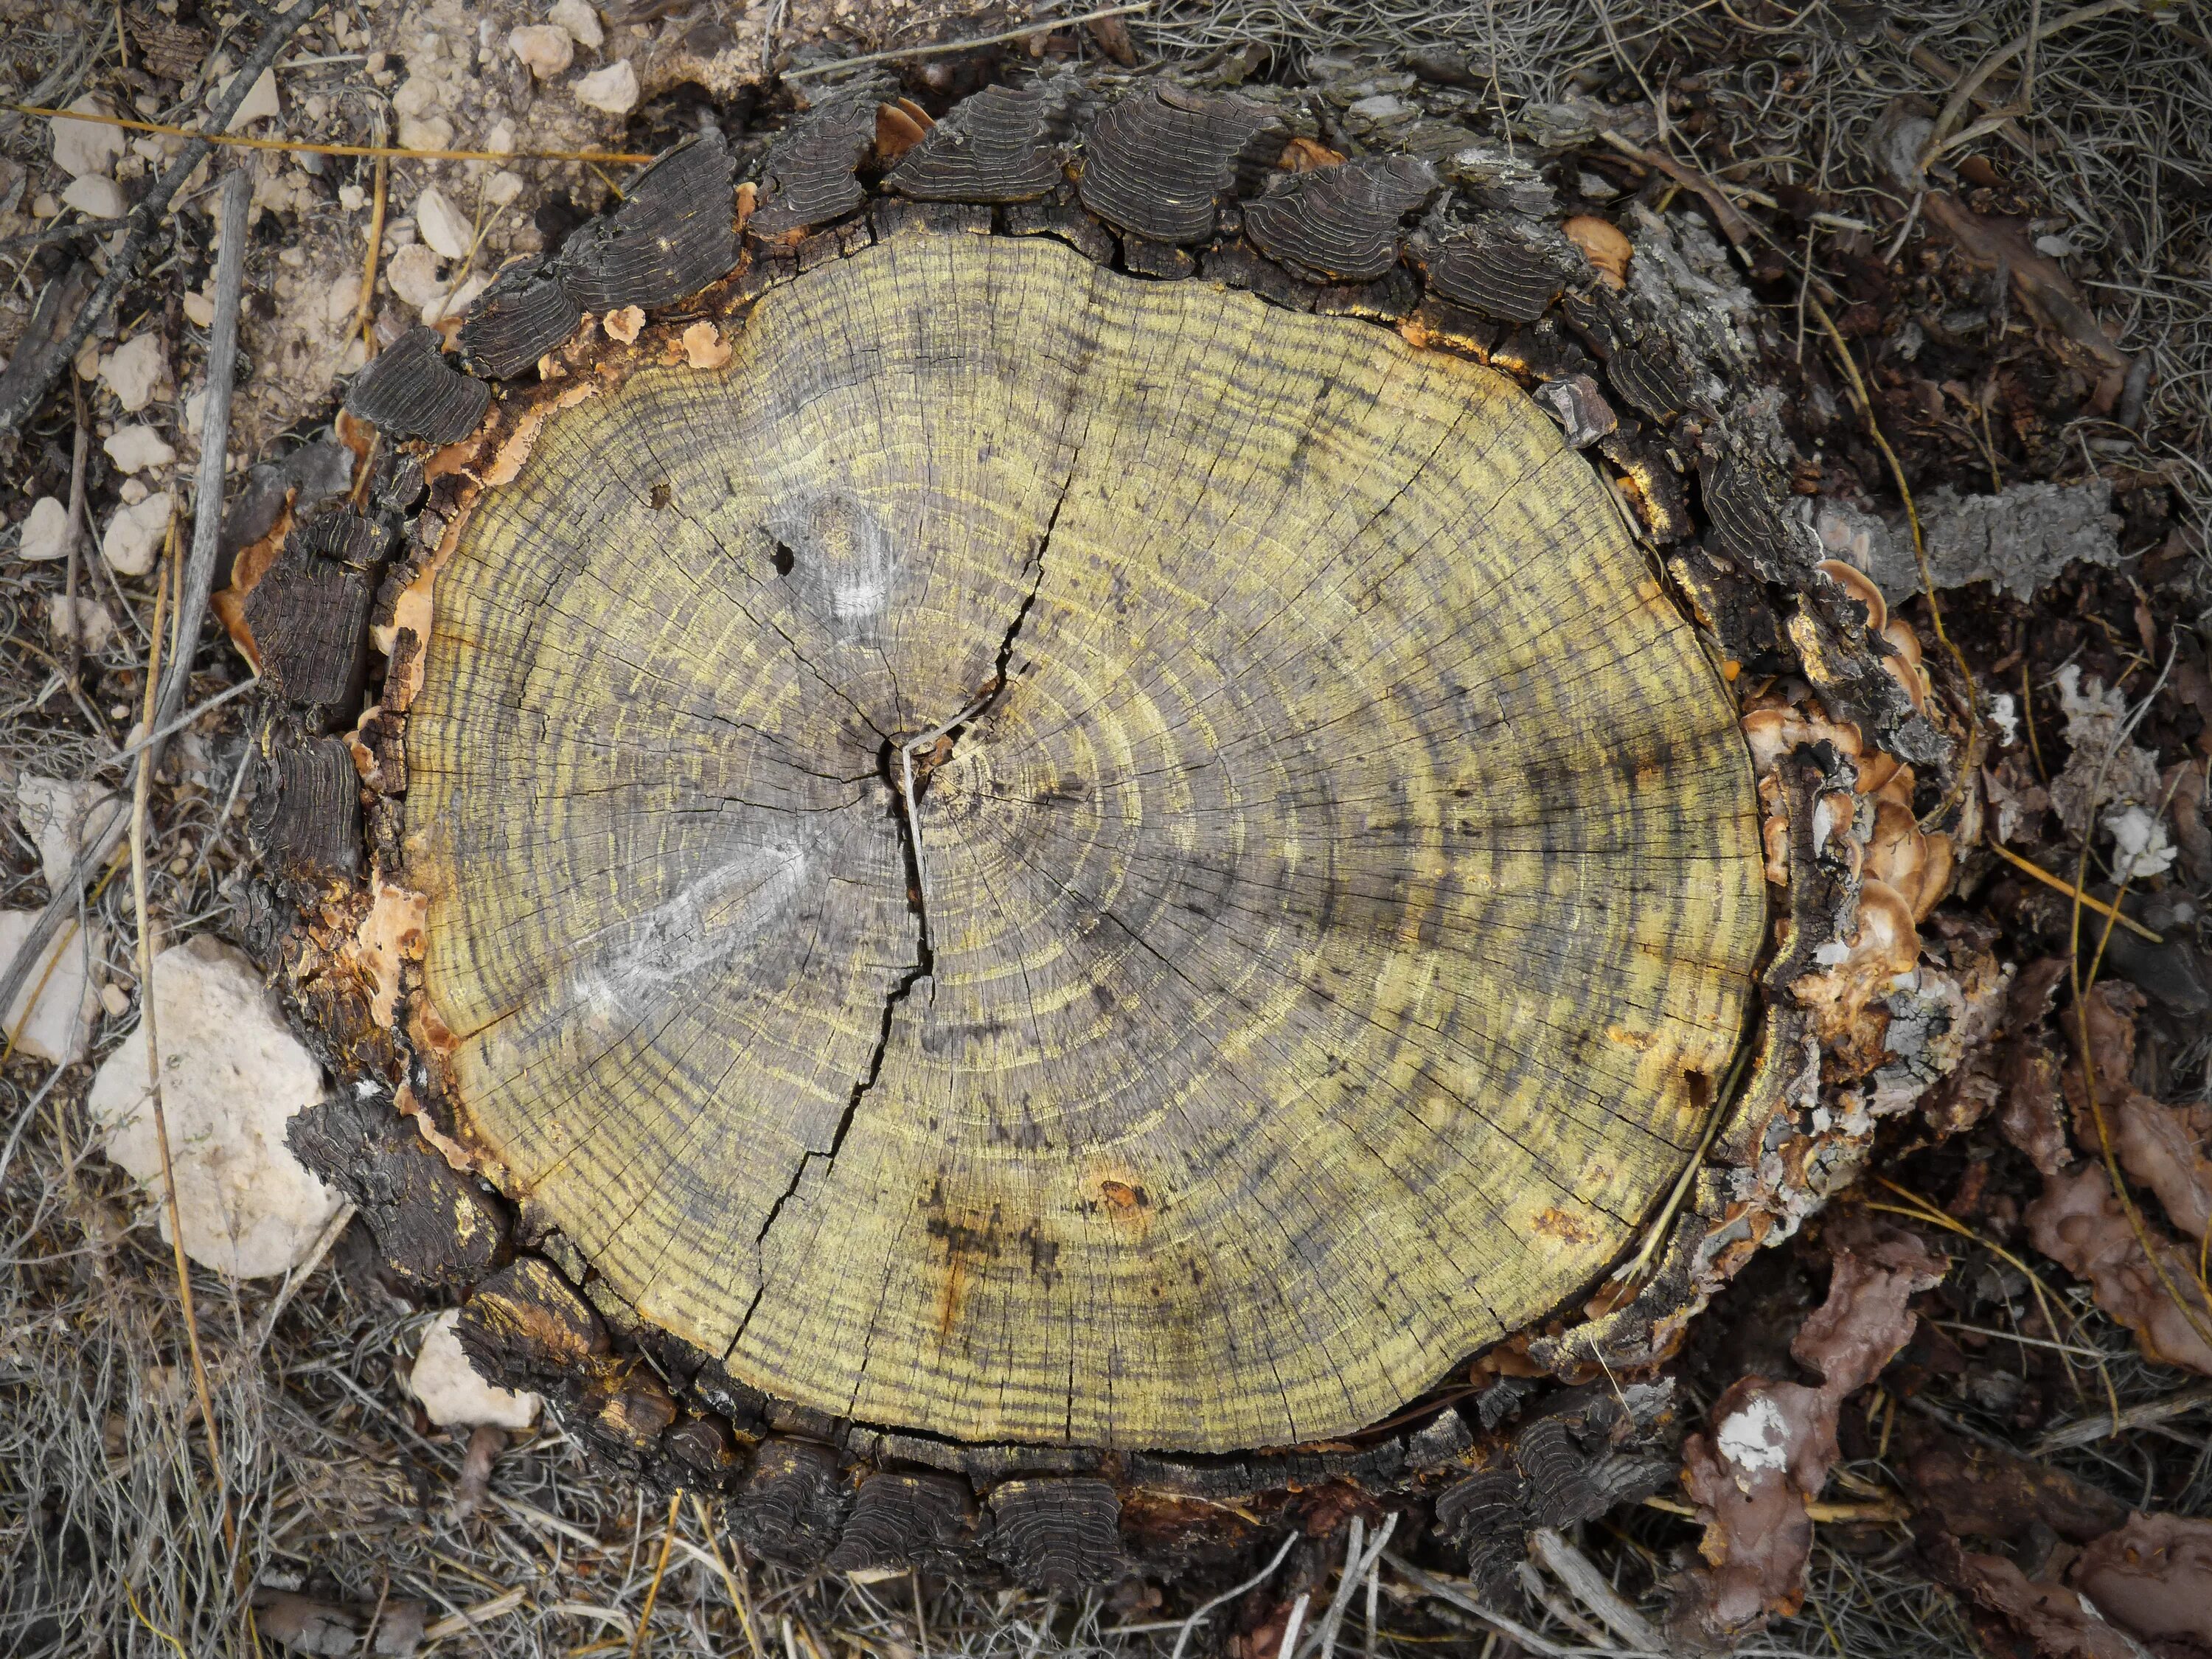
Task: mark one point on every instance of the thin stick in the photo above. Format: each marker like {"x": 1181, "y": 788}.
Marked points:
{"x": 1041, "y": 25}
{"x": 2027, "y": 867}
{"x": 1971, "y": 81}
{"x": 141, "y": 793}
{"x": 360, "y": 312}
{"x": 77, "y": 536}
{"x": 1291, "y": 1627}
{"x": 659, "y": 1567}
{"x": 215, "y": 441}
{"x": 1445, "y": 1590}
{"x": 390, "y": 152}
{"x": 1590, "y": 1587}
{"x": 737, "y": 1596}
{"x": 124, "y": 264}
{"x": 1190, "y": 1625}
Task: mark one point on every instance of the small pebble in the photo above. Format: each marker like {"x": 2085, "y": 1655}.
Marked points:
{"x": 82, "y": 148}
{"x": 134, "y": 535}
{"x": 132, "y": 369}
{"x": 440, "y": 223}
{"x": 613, "y": 89}
{"x": 199, "y": 310}
{"x": 261, "y": 103}
{"x": 94, "y": 197}
{"x": 95, "y": 628}
{"x": 45, "y": 532}
{"x": 545, "y": 49}
{"x": 115, "y": 999}
{"x": 580, "y": 21}
{"x": 136, "y": 448}
{"x": 413, "y": 274}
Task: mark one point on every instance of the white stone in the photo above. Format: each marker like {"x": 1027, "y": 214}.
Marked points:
{"x": 132, "y": 369}
{"x": 343, "y": 298}
{"x": 196, "y": 412}
{"x": 65, "y": 1005}
{"x": 134, "y": 535}
{"x": 232, "y": 1076}
{"x": 261, "y": 102}
{"x": 613, "y": 89}
{"x": 84, "y": 148}
{"x": 93, "y": 627}
{"x": 436, "y": 132}
{"x": 452, "y": 1395}
{"x": 413, "y": 274}
{"x": 64, "y": 817}
{"x": 133, "y": 491}
{"x": 580, "y": 21}
{"x": 135, "y": 448}
{"x": 545, "y": 49}
{"x": 418, "y": 94}
{"x": 501, "y": 139}
{"x": 440, "y": 224}
{"x": 501, "y": 189}
{"x": 200, "y": 309}
{"x": 45, "y": 532}
{"x": 457, "y": 303}
{"x": 352, "y": 198}
{"x": 94, "y": 197}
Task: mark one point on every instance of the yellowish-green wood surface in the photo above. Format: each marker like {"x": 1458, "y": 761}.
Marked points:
{"x": 1311, "y": 942}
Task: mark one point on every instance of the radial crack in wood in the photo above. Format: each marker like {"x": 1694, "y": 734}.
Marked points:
{"x": 1339, "y": 876}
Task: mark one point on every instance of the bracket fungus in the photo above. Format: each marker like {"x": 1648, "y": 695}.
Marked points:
{"x": 1042, "y": 826}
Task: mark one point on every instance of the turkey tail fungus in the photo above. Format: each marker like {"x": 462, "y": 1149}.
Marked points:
{"x": 1030, "y": 844}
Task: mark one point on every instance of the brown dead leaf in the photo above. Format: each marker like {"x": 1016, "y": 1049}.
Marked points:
{"x": 1773, "y": 1444}
{"x": 2078, "y": 1223}
{"x": 2049, "y": 1620}
{"x": 1978, "y": 1491}
{"x": 2163, "y": 1147}
{"x": 2031, "y": 1119}
{"x": 2045, "y": 290}
{"x": 2153, "y": 1577}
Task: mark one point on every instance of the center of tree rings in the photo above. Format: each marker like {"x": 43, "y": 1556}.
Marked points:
{"x": 1310, "y": 961}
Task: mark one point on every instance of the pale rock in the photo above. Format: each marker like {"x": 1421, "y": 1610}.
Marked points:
{"x": 136, "y": 448}
{"x": 581, "y": 21}
{"x": 613, "y": 89}
{"x": 418, "y": 95}
{"x": 59, "y": 997}
{"x": 353, "y": 357}
{"x": 435, "y": 133}
{"x": 134, "y": 535}
{"x": 45, "y": 532}
{"x": 200, "y": 309}
{"x": 45, "y": 205}
{"x": 196, "y": 412}
{"x": 343, "y": 298}
{"x": 133, "y": 491}
{"x": 452, "y": 1395}
{"x": 93, "y": 627}
{"x": 233, "y": 1076}
{"x": 440, "y": 224}
{"x": 457, "y": 303}
{"x": 545, "y": 49}
{"x": 352, "y": 198}
{"x": 500, "y": 141}
{"x": 132, "y": 370}
{"x": 413, "y": 274}
{"x": 64, "y": 817}
{"x": 261, "y": 102}
{"x": 84, "y": 147}
{"x": 501, "y": 189}
{"x": 115, "y": 999}
{"x": 94, "y": 197}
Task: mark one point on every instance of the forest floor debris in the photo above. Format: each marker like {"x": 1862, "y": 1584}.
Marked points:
{"x": 2033, "y": 301}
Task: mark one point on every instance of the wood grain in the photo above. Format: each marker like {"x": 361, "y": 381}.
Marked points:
{"x": 1303, "y": 967}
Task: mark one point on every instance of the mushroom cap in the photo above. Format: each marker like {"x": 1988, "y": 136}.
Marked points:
{"x": 1329, "y": 882}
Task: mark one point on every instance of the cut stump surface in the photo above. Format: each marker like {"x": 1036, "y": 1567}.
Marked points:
{"x": 1044, "y": 857}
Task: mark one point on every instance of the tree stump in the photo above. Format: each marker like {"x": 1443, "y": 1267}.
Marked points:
{"x": 1023, "y": 869}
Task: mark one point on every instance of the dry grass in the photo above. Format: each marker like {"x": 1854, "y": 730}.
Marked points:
{"x": 110, "y": 1536}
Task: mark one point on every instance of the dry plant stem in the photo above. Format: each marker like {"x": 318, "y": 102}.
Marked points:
{"x": 215, "y": 441}
{"x": 1962, "y": 95}
{"x": 124, "y": 264}
{"x": 1592, "y": 1589}
{"x": 2060, "y": 885}
{"x": 238, "y": 141}
{"x": 2090, "y": 1429}
{"x": 79, "y": 452}
{"x": 1041, "y": 25}
{"x": 738, "y": 1599}
{"x": 141, "y": 791}
{"x": 659, "y": 1569}
{"x": 368, "y": 305}
{"x": 1190, "y": 1626}
{"x": 1446, "y": 1590}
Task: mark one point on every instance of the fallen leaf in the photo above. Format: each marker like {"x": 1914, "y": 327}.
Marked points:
{"x": 2153, "y": 1577}
{"x": 2078, "y": 1223}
